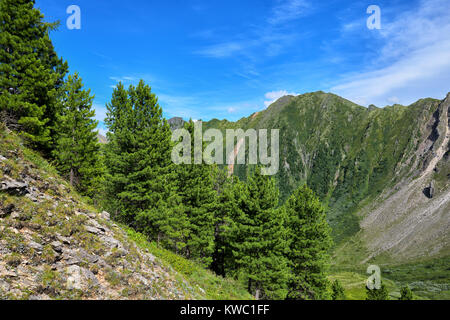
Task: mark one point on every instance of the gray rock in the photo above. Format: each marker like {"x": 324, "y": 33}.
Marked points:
{"x": 14, "y": 187}
{"x": 64, "y": 240}
{"x": 57, "y": 246}
{"x": 36, "y": 246}
{"x": 429, "y": 190}
{"x": 78, "y": 256}
{"x": 15, "y": 215}
{"x": 95, "y": 224}
{"x": 39, "y": 297}
{"x": 91, "y": 215}
{"x": 80, "y": 278}
{"x": 105, "y": 215}
{"x": 111, "y": 242}
{"x": 6, "y": 211}
{"x": 93, "y": 230}
{"x": 4, "y": 286}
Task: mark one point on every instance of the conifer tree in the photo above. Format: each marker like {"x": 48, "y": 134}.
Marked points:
{"x": 406, "y": 293}
{"x": 76, "y": 146}
{"x": 377, "y": 294}
{"x": 31, "y": 74}
{"x": 226, "y": 212}
{"x": 338, "y": 292}
{"x": 195, "y": 187}
{"x": 310, "y": 242}
{"x": 259, "y": 244}
{"x": 141, "y": 178}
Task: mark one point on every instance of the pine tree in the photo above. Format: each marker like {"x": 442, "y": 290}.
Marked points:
{"x": 310, "y": 242}
{"x": 195, "y": 187}
{"x": 31, "y": 74}
{"x": 377, "y": 294}
{"x": 406, "y": 293}
{"x": 141, "y": 178}
{"x": 76, "y": 147}
{"x": 338, "y": 292}
{"x": 226, "y": 212}
{"x": 259, "y": 244}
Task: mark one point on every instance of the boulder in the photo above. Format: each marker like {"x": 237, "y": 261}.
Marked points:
{"x": 14, "y": 187}
{"x": 429, "y": 190}
{"x": 7, "y": 210}
{"x": 105, "y": 215}
{"x": 80, "y": 278}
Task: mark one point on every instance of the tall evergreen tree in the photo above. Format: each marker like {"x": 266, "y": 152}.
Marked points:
{"x": 195, "y": 187}
{"x": 259, "y": 244}
{"x": 310, "y": 242}
{"x": 76, "y": 147}
{"x": 31, "y": 73}
{"x": 226, "y": 212}
{"x": 141, "y": 178}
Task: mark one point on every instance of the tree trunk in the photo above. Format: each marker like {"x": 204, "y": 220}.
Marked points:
{"x": 257, "y": 294}
{"x": 71, "y": 176}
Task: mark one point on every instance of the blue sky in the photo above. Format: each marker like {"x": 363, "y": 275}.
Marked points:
{"x": 228, "y": 59}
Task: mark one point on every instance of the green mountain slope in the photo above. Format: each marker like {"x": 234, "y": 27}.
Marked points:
{"x": 357, "y": 158}
{"x": 53, "y": 245}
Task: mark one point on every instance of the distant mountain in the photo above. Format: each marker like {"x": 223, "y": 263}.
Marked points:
{"x": 102, "y": 139}
{"x": 384, "y": 173}
{"x": 176, "y": 123}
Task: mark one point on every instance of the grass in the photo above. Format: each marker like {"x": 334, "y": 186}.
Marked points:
{"x": 205, "y": 284}
{"x": 354, "y": 284}
{"x": 428, "y": 279}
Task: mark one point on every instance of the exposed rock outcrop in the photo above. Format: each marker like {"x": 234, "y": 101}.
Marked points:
{"x": 53, "y": 246}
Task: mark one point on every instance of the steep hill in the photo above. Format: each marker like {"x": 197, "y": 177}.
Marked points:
{"x": 55, "y": 246}
{"x": 373, "y": 167}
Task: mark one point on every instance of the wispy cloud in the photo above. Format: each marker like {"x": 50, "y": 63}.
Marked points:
{"x": 289, "y": 10}
{"x": 123, "y": 79}
{"x": 413, "y": 62}
{"x": 221, "y": 50}
{"x": 267, "y": 39}
{"x": 273, "y": 96}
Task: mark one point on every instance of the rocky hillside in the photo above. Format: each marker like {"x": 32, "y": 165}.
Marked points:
{"x": 55, "y": 246}
{"x": 382, "y": 172}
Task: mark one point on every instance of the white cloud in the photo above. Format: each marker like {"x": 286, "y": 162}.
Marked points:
{"x": 123, "y": 79}
{"x": 267, "y": 39}
{"x": 222, "y": 50}
{"x": 288, "y": 11}
{"x": 231, "y": 110}
{"x": 100, "y": 111}
{"x": 273, "y": 96}
{"x": 414, "y": 61}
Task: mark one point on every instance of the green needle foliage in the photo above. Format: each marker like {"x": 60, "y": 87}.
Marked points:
{"x": 141, "y": 178}
{"x": 338, "y": 292}
{"x": 406, "y": 293}
{"x": 259, "y": 240}
{"x": 195, "y": 187}
{"x": 31, "y": 74}
{"x": 225, "y": 214}
{"x": 377, "y": 294}
{"x": 310, "y": 243}
{"x": 76, "y": 147}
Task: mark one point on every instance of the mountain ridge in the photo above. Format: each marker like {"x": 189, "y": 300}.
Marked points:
{"x": 351, "y": 155}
